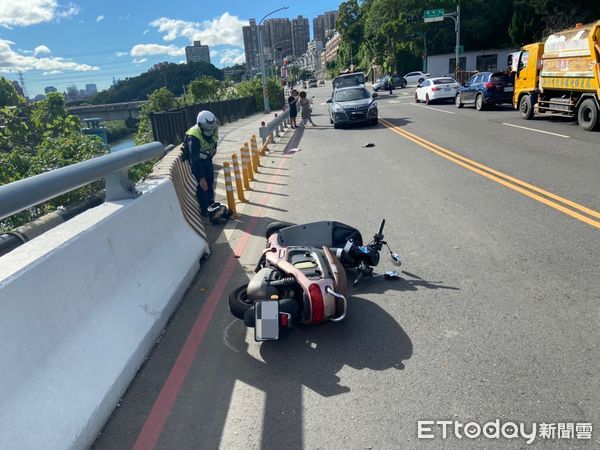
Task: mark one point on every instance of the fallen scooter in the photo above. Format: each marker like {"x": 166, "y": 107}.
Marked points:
{"x": 301, "y": 276}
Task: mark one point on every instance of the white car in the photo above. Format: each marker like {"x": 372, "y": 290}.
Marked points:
{"x": 415, "y": 77}
{"x": 440, "y": 88}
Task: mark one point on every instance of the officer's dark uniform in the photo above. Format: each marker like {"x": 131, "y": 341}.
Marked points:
{"x": 201, "y": 149}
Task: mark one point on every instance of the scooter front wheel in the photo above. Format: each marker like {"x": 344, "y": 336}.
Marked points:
{"x": 239, "y": 303}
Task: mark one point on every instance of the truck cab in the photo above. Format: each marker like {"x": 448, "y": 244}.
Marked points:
{"x": 560, "y": 76}
{"x": 525, "y": 64}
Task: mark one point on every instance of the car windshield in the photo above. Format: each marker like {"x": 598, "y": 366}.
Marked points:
{"x": 444, "y": 81}
{"x": 349, "y": 80}
{"x": 350, "y": 95}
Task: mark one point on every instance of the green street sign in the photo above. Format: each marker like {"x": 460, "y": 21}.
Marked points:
{"x": 433, "y": 15}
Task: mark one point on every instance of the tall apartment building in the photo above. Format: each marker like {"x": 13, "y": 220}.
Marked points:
{"x": 300, "y": 35}
{"x": 197, "y": 53}
{"x": 323, "y": 23}
{"x": 277, "y": 35}
{"x": 91, "y": 89}
{"x": 250, "y": 33}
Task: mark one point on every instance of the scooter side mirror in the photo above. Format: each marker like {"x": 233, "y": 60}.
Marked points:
{"x": 396, "y": 259}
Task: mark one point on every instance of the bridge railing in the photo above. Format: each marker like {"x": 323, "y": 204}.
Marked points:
{"x": 169, "y": 127}
{"x": 23, "y": 194}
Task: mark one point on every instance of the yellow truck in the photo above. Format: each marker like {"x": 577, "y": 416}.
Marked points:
{"x": 560, "y": 76}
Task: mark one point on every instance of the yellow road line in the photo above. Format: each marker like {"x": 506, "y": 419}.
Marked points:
{"x": 501, "y": 178}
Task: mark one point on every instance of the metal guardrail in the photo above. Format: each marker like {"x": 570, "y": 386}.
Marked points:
{"x": 275, "y": 126}
{"x": 23, "y": 194}
{"x": 169, "y": 126}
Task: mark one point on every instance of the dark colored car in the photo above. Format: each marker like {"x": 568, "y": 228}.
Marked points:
{"x": 352, "y": 105}
{"x": 485, "y": 89}
{"x": 384, "y": 84}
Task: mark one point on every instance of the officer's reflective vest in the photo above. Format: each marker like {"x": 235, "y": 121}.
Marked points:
{"x": 208, "y": 148}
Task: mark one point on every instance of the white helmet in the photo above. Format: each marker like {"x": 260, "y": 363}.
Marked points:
{"x": 207, "y": 122}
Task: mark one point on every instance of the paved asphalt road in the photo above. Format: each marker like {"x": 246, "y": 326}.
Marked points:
{"x": 497, "y": 316}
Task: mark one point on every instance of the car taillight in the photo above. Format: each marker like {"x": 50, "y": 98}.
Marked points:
{"x": 434, "y": 89}
{"x": 489, "y": 85}
{"x": 316, "y": 300}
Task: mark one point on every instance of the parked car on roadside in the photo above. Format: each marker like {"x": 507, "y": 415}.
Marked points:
{"x": 383, "y": 84}
{"x": 432, "y": 89}
{"x": 321, "y": 81}
{"x": 415, "y": 77}
{"x": 485, "y": 89}
{"x": 312, "y": 83}
{"x": 351, "y": 105}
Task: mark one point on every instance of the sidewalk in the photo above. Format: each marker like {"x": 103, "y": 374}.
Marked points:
{"x": 231, "y": 137}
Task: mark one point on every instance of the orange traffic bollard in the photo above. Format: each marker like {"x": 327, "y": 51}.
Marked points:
{"x": 247, "y": 162}
{"x": 229, "y": 189}
{"x": 254, "y": 150}
{"x": 239, "y": 186}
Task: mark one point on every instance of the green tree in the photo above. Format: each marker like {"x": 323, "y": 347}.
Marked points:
{"x": 38, "y": 138}
{"x": 8, "y": 94}
{"x": 206, "y": 89}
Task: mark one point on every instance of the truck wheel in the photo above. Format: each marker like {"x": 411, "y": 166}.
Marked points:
{"x": 525, "y": 107}
{"x": 587, "y": 116}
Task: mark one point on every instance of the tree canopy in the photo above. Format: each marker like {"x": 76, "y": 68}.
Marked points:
{"x": 391, "y": 33}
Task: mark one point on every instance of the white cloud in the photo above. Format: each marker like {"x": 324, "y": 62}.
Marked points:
{"x": 71, "y": 11}
{"x": 52, "y": 72}
{"x": 23, "y": 13}
{"x": 146, "y": 31}
{"x": 41, "y": 49}
{"x": 224, "y": 30}
{"x": 10, "y": 61}
{"x": 120, "y": 54}
{"x": 231, "y": 56}
{"x": 100, "y": 18}
{"x": 140, "y": 61}
{"x": 141, "y": 50}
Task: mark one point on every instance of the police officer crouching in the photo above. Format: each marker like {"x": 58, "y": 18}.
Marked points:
{"x": 200, "y": 146}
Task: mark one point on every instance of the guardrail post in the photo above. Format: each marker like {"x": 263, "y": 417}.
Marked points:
{"x": 118, "y": 186}
{"x": 238, "y": 178}
{"x": 263, "y": 132}
{"x": 229, "y": 189}
{"x": 247, "y": 161}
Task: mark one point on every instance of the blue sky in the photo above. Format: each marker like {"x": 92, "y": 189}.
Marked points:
{"x": 63, "y": 42}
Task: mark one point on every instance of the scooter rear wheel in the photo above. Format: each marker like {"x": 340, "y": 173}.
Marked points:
{"x": 239, "y": 303}
{"x": 274, "y": 227}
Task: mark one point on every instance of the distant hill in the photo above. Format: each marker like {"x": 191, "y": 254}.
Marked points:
{"x": 173, "y": 76}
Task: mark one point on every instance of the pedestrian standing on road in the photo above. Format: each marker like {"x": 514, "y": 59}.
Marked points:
{"x": 200, "y": 147}
{"x": 305, "y": 109}
{"x": 391, "y": 83}
{"x": 292, "y": 101}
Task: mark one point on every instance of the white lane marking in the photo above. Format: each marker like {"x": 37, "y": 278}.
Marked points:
{"x": 405, "y": 93}
{"x": 435, "y": 109}
{"x": 533, "y": 129}
{"x": 226, "y": 336}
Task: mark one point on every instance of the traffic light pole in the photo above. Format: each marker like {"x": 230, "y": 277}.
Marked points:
{"x": 456, "y": 17}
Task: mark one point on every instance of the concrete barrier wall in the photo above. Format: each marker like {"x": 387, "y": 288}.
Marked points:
{"x": 81, "y": 307}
